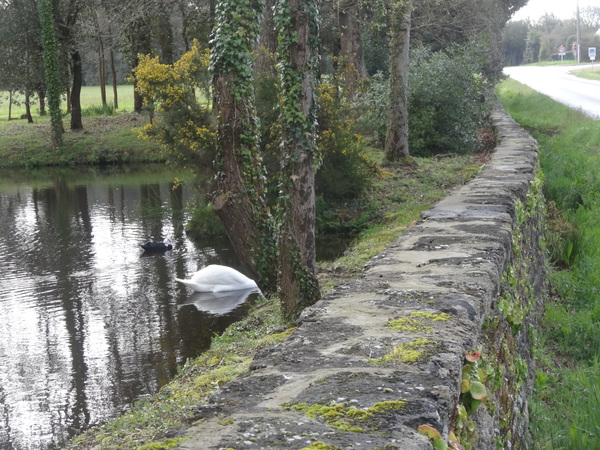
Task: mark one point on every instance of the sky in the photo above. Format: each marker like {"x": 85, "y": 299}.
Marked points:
{"x": 563, "y": 9}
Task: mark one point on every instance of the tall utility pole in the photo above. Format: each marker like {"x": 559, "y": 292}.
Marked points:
{"x": 578, "y": 36}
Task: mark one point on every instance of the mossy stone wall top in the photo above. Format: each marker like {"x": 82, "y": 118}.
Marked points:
{"x": 379, "y": 357}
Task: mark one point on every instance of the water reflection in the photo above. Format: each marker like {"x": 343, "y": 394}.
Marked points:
{"x": 88, "y": 323}
{"x": 219, "y": 303}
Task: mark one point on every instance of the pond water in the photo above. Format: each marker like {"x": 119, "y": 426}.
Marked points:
{"x": 89, "y": 321}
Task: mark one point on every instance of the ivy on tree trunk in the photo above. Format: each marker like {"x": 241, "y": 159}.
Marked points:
{"x": 240, "y": 181}
{"x": 396, "y": 141}
{"x": 297, "y": 23}
{"x": 50, "y": 50}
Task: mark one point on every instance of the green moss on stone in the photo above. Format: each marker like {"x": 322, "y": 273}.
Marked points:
{"x": 320, "y": 446}
{"x": 414, "y": 351}
{"x": 416, "y": 322}
{"x": 346, "y": 417}
{"x": 408, "y": 324}
{"x": 436, "y": 317}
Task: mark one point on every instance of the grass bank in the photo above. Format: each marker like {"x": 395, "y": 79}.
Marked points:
{"x": 590, "y": 72}
{"x": 565, "y": 408}
{"x": 105, "y": 139}
{"x": 393, "y": 203}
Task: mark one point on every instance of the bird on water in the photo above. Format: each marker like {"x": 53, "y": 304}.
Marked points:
{"x": 157, "y": 246}
{"x": 216, "y": 278}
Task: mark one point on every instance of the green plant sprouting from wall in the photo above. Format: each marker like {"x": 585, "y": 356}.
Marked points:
{"x": 496, "y": 379}
{"x": 504, "y": 370}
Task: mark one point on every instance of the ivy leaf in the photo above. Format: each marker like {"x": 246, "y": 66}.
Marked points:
{"x": 453, "y": 440}
{"x": 472, "y": 355}
{"x": 465, "y": 386}
{"x": 429, "y": 431}
{"x": 478, "y": 390}
{"x": 439, "y": 444}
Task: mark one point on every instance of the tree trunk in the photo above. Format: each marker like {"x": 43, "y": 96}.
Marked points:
{"x": 267, "y": 42}
{"x": 165, "y": 37}
{"x": 351, "y": 46}
{"x": 298, "y": 41}
{"x": 138, "y": 100}
{"x": 231, "y": 201}
{"x": 113, "y": 69}
{"x": 76, "y": 121}
{"x": 28, "y": 106}
{"x": 68, "y": 96}
{"x": 50, "y": 50}
{"x": 42, "y": 100}
{"x": 184, "y": 25}
{"x": 396, "y": 141}
{"x": 240, "y": 188}
{"x": 138, "y": 33}
{"x": 10, "y": 102}
{"x": 101, "y": 65}
{"x": 102, "y": 71}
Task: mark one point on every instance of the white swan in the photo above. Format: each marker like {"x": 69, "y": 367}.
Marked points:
{"x": 215, "y": 278}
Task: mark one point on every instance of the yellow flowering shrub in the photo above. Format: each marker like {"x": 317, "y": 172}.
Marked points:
{"x": 178, "y": 95}
{"x": 345, "y": 171}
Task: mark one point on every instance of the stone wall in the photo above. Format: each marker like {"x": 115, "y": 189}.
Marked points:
{"x": 436, "y": 332}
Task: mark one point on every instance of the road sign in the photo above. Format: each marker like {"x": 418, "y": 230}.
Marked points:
{"x": 562, "y": 50}
{"x": 592, "y": 53}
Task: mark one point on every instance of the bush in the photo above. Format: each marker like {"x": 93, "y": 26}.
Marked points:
{"x": 373, "y": 103}
{"x": 447, "y": 106}
{"x": 181, "y": 120}
{"x": 345, "y": 172}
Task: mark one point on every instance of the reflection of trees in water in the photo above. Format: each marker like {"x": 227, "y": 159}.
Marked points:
{"x": 198, "y": 326}
{"x": 106, "y": 337}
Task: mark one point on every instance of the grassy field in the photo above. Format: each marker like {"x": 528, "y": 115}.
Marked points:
{"x": 565, "y": 409}
{"x": 90, "y": 97}
{"x": 105, "y": 139}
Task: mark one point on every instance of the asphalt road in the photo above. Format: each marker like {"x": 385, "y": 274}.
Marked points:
{"x": 558, "y": 83}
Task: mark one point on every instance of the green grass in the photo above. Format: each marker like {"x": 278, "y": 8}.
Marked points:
{"x": 90, "y": 97}
{"x": 395, "y": 202}
{"x": 565, "y": 411}
{"x": 104, "y": 140}
{"x": 590, "y": 73}
{"x": 109, "y": 136}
